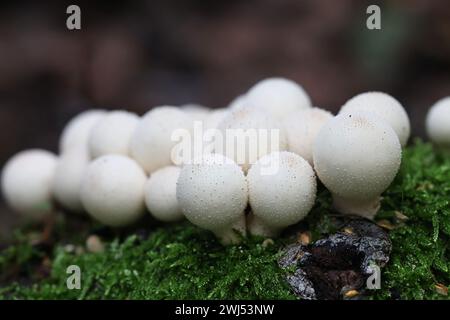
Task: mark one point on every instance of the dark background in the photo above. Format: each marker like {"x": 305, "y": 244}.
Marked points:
{"x": 139, "y": 54}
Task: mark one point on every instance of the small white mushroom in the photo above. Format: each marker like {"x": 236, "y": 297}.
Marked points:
{"x": 212, "y": 193}
{"x": 302, "y": 128}
{"x": 357, "y": 156}
{"x": 112, "y": 134}
{"x": 67, "y": 182}
{"x": 196, "y": 111}
{"x": 282, "y": 191}
{"x": 76, "y": 133}
{"x": 152, "y": 144}
{"x": 384, "y": 106}
{"x": 112, "y": 190}
{"x": 248, "y": 134}
{"x": 161, "y": 194}
{"x": 27, "y": 182}
{"x": 278, "y": 97}
{"x": 438, "y": 122}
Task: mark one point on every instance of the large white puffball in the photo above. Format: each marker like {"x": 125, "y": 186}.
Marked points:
{"x": 152, "y": 142}
{"x": 282, "y": 191}
{"x": 247, "y": 134}
{"x": 302, "y": 128}
{"x": 357, "y": 156}
{"x": 438, "y": 122}
{"x": 67, "y": 182}
{"x": 278, "y": 97}
{"x": 112, "y": 190}
{"x": 384, "y": 106}
{"x": 161, "y": 194}
{"x": 76, "y": 133}
{"x": 212, "y": 193}
{"x": 27, "y": 180}
{"x": 112, "y": 134}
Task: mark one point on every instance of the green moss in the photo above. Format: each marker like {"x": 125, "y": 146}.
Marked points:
{"x": 184, "y": 262}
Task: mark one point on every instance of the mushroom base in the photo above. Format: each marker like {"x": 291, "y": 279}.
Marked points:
{"x": 257, "y": 227}
{"x": 363, "y": 208}
{"x": 232, "y": 234}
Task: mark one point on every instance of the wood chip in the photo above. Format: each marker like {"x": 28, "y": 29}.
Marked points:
{"x": 441, "y": 289}
{"x": 348, "y": 230}
{"x": 400, "y": 216}
{"x": 304, "y": 238}
{"x": 351, "y": 293}
{"x": 385, "y": 224}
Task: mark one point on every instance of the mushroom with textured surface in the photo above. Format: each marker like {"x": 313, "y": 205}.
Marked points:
{"x": 438, "y": 122}
{"x": 112, "y": 134}
{"x": 27, "y": 180}
{"x": 357, "y": 156}
{"x": 278, "y": 97}
{"x": 161, "y": 194}
{"x": 384, "y": 106}
{"x": 152, "y": 144}
{"x": 112, "y": 190}
{"x": 282, "y": 197}
{"x": 76, "y": 133}
{"x": 212, "y": 193}
{"x": 302, "y": 128}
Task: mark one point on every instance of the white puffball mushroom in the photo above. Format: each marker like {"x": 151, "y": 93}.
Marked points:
{"x": 161, "y": 194}
{"x": 212, "y": 193}
{"x": 112, "y": 190}
{"x": 76, "y": 133}
{"x": 438, "y": 122}
{"x": 282, "y": 191}
{"x": 384, "y": 106}
{"x": 302, "y": 128}
{"x": 357, "y": 156}
{"x": 152, "y": 144}
{"x": 248, "y": 134}
{"x": 68, "y": 176}
{"x": 27, "y": 183}
{"x": 112, "y": 134}
{"x": 196, "y": 111}
{"x": 278, "y": 97}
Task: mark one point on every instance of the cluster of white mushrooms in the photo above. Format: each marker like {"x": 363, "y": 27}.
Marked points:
{"x": 116, "y": 165}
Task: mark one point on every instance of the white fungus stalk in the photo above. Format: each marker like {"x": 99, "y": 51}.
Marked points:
{"x": 67, "y": 182}
{"x": 248, "y": 134}
{"x": 161, "y": 194}
{"x": 357, "y": 156}
{"x": 27, "y": 180}
{"x": 438, "y": 123}
{"x": 383, "y": 106}
{"x": 278, "y": 97}
{"x": 112, "y": 190}
{"x": 112, "y": 134}
{"x": 152, "y": 144}
{"x": 212, "y": 193}
{"x": 302, "y": 128}
{"x": 282, "y": 191}
{"x": 76, "y": 133}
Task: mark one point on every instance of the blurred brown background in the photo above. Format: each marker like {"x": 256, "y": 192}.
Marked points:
{"x": 138, "y": 54}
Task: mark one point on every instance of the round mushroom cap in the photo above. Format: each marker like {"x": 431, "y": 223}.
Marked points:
{"x": 112, "y": 190}
{"x": 438, "y": 122}
{"x": 76, "y": 133}
{"x": 383, "y": 106}
{"x": 27, "y": 180}
{"x": 161, "y": 194}
{"x": 67, "y": 182}
{"x": 357, "y": 156}
{"x": 248, "y": 134}
{"x": 152, "y": 144}
{"x": 212, "y": 192}
{"x": 112, "y": 134}
{"x": 302, "y": 128}
{"x": 282, "y": 189}
{"x": 278, "y": 97}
